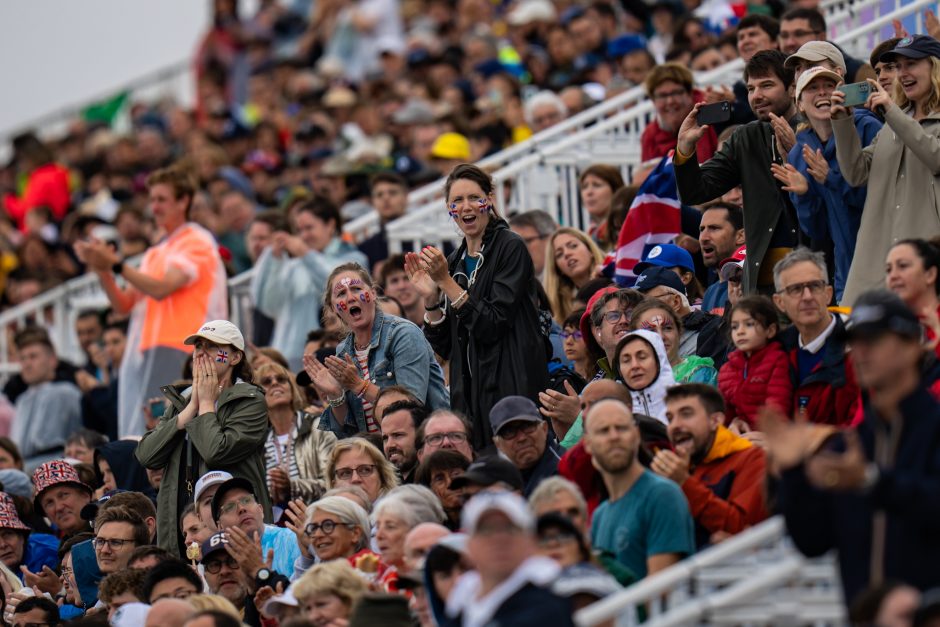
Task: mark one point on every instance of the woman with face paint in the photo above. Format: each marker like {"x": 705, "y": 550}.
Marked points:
{"x": 219, "y": 422}
{"x": 482, "y": 305}
{"x": 379, "y": 351}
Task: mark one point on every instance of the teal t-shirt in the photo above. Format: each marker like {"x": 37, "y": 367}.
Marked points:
{"x": 652, "y": 518}
{"x": 470, "y": 263}
{"x": 574, "y": 435}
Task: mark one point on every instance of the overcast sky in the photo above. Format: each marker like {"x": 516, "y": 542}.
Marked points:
{"x": 62, "y": 52}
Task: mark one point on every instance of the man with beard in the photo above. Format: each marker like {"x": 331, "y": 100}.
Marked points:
{"x": 770, "y": 223}
{"x": 721, "y": 474}
{"x": 224, "y": 576}
{"x": 645, "y": 522}
{"x": 399, "y": 426}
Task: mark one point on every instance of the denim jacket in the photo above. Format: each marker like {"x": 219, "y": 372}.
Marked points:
{"x": 398, "y": 355}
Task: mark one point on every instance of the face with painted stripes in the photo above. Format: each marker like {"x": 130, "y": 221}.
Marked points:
{"x": 353, "y": 300}
{"x": 469, "y": 207}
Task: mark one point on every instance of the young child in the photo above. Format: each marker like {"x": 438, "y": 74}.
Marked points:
{"x": 758, "y": 372}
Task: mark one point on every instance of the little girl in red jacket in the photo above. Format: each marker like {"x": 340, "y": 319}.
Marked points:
{"x": 758, "y": 372}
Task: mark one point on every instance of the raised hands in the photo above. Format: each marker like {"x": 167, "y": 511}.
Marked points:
{"x": 247, "y": 552}
{"x": 344, "y": 371}
{"x": 419, "y": 277}
{"x": 791, "y": 179}
{"x": 325, "y": 383}
{"x": 296, "y": 514}
{"x": 96, "y": 254}
{"x": 206, "y": 386}
{"x": 786, "y": 137}
{"x": 879, "y": 100}
{"x": 816, "y": 164}
{"x": 690, "y": 131}
{"x": 561, "y": 407}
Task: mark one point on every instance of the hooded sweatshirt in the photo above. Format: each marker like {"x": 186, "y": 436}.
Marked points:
{"x": 650, "y": 400}
{"x": 128, "y": 472}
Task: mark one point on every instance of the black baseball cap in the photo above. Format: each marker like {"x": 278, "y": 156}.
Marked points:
{"x": 214, "y": 544}
{"x": 228, "y": 486}
{"x": 488, "y": 471}
{"x": 878, "y": 312}
{"x": 511, "y": 409}
{"x": 916, "y": 47}
{"x": 654, "y": 276}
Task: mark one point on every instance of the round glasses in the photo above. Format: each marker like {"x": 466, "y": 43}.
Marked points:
{"x": 327, "y": 526}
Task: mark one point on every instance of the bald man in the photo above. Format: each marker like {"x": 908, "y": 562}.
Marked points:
{"x": 169, "y": 612}
{"x": 419, "y": 541}
{"x": 593, "y": 392}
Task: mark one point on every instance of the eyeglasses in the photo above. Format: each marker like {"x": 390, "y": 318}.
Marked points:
{"x": 345, "y": 474}
{"x": 565, "y": 335}
{"x": 327, "y": 526}
{"x": 244, "y": 501}
{"x": 115, "y": 544}
{"x": 214, "y": 566}
{"x": 548, "y": 539}
{"x": 512, "y": 430}
{"x": 274, "y": 379}
{"x": 613, "y": 317}
{"x": 797, "y": 289}
{"x": 437, "y": 439}
{"x": 675, "y": 93}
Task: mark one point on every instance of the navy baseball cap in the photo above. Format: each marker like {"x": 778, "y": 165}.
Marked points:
{"x": 214, "y": 544}
{"x": 878, "y": 312}
{"x": 511, "y": 409}
{"x": 666, "y": 256}
{"x": 916, "y": 47}
{"x": 655, "y": 276}
{"x": 488, "y": 471}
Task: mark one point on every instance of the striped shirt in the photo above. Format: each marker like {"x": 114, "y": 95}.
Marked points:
{"x": 362, "y": 358}
{"x": 279, "y": 452}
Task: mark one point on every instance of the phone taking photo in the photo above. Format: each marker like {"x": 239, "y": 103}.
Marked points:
{"x": 715, "y": 113}
{"x": 856, "y": 93}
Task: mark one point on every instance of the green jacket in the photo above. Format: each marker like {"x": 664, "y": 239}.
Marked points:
{"x": 743, "y": 160}
{"x": 230, "y": 438}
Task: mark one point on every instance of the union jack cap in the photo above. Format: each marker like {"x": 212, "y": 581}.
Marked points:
{"x": 56, "y": 472}
{"x": 9, "y": 519}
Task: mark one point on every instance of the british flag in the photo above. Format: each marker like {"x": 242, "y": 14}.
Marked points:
{"x": 654, "y": 218}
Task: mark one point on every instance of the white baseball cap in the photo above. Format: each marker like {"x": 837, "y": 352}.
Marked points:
{"x": 220, "y": 332}
{"x": 812, "y": 74}
{"x": 211, "y": 478}
{"x": 509, "y": 503}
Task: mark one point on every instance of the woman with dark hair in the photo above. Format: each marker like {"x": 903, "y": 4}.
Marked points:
{"x": 10, "y": 456}
{"x": 482, "y": 305}
{"x": 597, "y": 185}
{"x": 220, "y": 422}
{"x": 911, "y": 272}
{"x": 291, "y": 274}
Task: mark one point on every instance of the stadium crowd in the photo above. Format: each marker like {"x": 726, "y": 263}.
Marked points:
{"x": 502, "y": 432}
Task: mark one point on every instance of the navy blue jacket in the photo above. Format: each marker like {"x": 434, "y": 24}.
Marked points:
{"x": 530, "y": 606}
{"x": 908, "y": 492}
{"x": 834, "y": 209}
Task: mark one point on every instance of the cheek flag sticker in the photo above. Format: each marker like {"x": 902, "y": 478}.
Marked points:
{"x": 222, "y": 357}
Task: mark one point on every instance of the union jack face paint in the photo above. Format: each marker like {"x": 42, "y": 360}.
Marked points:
{"x": 453, "y": 211}
{"x": 484, "y": 205}
{"x": 221, "y": 356}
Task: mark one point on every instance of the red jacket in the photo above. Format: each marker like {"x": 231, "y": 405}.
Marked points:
{"x": 829, "y": 394}
{"x": 577, "y": 467}
{"x": 726, "y": 490}
{"x": 47, "y": 185}
{"x": 749, "y": 383}
{"x": 656, "y": 142}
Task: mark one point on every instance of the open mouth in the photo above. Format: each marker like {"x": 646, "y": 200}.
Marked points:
{"x": 707, "y": 251}
{"x": 908, "y": 84}
{"x": 682, "y": 441}
{"x": 355, "y": 312}
{"x": 823, "y": 105}
{"x": 468, "y": 219}
{"x": 323, "y": 544}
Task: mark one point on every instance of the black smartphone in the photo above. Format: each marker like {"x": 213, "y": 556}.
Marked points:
{"x": 157, "y": 408}
{"x": 856, "y": 93}
{"x": 715, "y": 113}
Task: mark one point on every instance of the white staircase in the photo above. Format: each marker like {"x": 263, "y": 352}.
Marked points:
{"x": 754, "y": 578}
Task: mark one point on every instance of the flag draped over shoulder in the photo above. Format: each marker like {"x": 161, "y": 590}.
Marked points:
{"x": 654, "y": 218}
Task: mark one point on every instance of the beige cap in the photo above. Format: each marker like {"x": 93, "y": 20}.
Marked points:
{"x": 812, "y": 74}
{"x": 221, "y": 332}
{"x": 816, "y": 51}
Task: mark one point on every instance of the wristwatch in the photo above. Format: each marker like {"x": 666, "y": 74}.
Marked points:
{"x": 118, "y": 268}
{"x": 263, "y": 577}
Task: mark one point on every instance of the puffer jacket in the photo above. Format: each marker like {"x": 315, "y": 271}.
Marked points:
{"x": 829, "y": 394}
{"x": 749, "y": 383}
{"x": 651, "y": 399}
{"x": 231, "y": 438}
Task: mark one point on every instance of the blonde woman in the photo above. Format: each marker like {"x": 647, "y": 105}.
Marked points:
{"x": 213, "y": 602}
{"x": 355, "y": 461}
{"x": 900, "y": 164}
{"x": 571, "y": 260}
{"x": 328, "y": 591}
{"x": 296, "y": 452}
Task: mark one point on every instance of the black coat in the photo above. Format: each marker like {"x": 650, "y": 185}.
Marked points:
{"x": 530, "y": 606}
{"x": 494, "y": 341}
{"x": 908, "y": 493}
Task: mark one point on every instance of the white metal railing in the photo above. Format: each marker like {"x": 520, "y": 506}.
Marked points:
{"x": 543, "y": 174}
{"x": 754, "y": 578}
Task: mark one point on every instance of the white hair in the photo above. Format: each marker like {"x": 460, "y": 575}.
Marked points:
{"x": 413, "y": 504}
{"x": 348, "y": 511}
{"x": 548, "y": 488}
{"x": 544, "y": 97}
